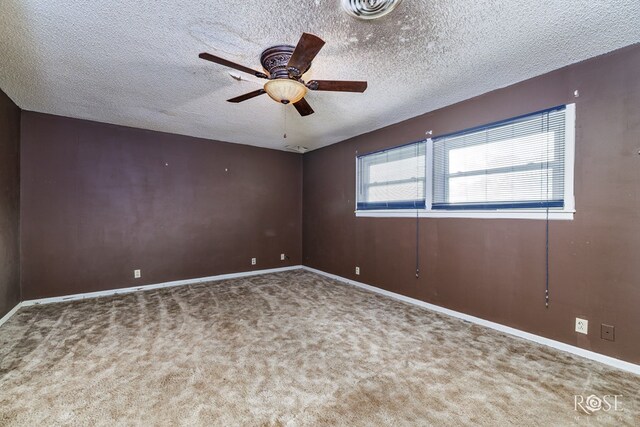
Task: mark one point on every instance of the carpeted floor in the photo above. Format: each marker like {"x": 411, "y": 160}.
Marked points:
{"x": 291, "y": 348}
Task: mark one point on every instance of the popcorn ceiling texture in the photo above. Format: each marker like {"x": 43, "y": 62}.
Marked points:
{"x": 294, "y": 349}
{"x": 136, "y": 63}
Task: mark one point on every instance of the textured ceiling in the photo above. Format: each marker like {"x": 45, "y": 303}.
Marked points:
{"x": 136, "y": 63}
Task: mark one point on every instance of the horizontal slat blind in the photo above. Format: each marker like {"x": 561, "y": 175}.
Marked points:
{"x": 393, "y": 179}
{"x": 517, "y": 163}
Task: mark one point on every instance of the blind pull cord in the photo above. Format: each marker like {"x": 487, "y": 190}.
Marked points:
{"x": 417, "y": 245}
{"x": 417, "y": 197}
{"x": 417, "y": 214}
{"x": 546, "y": 290}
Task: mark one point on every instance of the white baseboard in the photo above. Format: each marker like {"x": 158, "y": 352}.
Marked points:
{"x": 154, "y": 286}
{"x": 10, "y": 313}
{"x": 607, "y": 360}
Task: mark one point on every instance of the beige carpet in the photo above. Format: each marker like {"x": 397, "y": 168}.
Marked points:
{"x": 290, "y": 348}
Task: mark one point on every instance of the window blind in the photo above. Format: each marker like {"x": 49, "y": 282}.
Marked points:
{"x": 517, "y": 163}
{"x": 393, "y": 178}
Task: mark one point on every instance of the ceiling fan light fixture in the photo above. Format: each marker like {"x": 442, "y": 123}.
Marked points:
{"x": 369, "y": 9}
{"x": 285, "y": 91}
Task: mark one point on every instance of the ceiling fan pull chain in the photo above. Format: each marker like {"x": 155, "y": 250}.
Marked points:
{"x": 284, "y": 111}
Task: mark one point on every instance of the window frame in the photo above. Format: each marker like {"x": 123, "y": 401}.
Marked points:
{"x": 556, "y": 213}
{"x": 395, "y": 205}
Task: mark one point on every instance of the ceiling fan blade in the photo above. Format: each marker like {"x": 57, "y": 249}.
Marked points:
{"x": 246, "y": 96}
{"x": 307, "y": 49}
{"x": 303, "y": 107}
{"x": 227, "y": 63}
{"x": 337, "y": 85}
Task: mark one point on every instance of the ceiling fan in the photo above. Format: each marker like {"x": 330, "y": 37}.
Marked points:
{"x": 284, "y": 66}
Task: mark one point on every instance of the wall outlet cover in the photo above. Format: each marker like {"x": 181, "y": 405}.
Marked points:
{"x": 357, "y": 271}
{"x": 607, "y": 332}
{"x": 282, "y": 257}
{"x": 582, "y": 326}
{"x": 253, "y": 261}
{"x": 136, "y": 274}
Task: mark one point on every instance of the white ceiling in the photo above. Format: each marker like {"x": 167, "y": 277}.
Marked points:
{"x": 136, "y": 63}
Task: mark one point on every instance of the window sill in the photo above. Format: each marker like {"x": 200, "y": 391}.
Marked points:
{"x": 497, "y": 214}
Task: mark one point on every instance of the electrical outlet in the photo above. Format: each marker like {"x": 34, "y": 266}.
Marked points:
{"x": 281, "y": 257}
{"x": 357, "y": 271}
{"x": 253, "y": 261}
{"x": 607, "y": 332}
{"x": 582, "y": 325}
{"x": 136, "y": 274}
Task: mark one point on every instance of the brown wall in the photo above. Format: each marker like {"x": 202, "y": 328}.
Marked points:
{"x": 491, "y": 268}
{"x": 99, "y": 201}
{"x": 9, "y": 204}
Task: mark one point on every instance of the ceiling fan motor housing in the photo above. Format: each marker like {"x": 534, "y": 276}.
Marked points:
{"x": 275, "y": 59}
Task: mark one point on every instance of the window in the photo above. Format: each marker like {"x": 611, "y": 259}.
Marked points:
{"x": 392, "y": 179}
{"x": 514, "y": 164}
{"x": 517, "y": 168}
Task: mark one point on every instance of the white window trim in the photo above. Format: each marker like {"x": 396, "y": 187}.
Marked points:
{"x": 567, "y": 213}
{"x": 563, "y": 214}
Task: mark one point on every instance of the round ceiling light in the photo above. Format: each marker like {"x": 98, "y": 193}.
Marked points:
{"x": 369, "y": 9}
{"x": 285, "y": 90}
